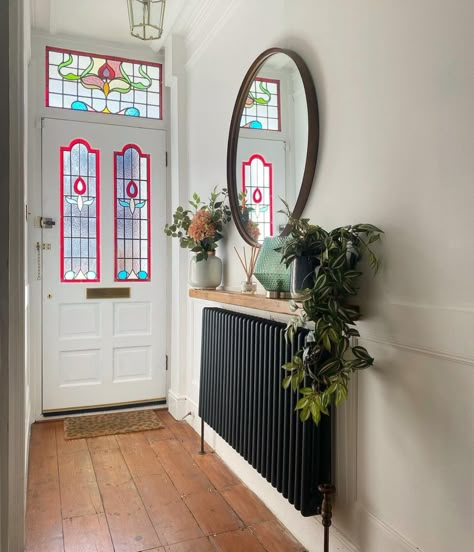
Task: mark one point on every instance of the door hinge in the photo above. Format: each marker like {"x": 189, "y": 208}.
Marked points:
{"x": 166, "y": 362}
{"x": 166, "y": 158}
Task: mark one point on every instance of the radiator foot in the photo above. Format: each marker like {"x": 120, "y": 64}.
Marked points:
{"x": 326, "y": 510}
{"x": 202, "y": 451}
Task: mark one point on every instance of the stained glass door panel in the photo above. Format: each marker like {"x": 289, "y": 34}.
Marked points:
{"x": 79, "y": 173}
{"x": 257, "y": 193}
{"x": 262, "y": 177}
{"x": 107, "y": 350}
{"x": 132, "y": 205}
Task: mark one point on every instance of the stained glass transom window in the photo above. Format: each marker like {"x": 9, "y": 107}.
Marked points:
{"x": 132, "y": 214}
{"x": 80, "y": 201}
{"x": 257, "y": 194}
{"x": 262, "y": 106}
{"x": 103, "y": 84}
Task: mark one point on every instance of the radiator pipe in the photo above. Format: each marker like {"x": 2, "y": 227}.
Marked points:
{"x": 202, "y": 451}
{"x": 326, "y": 510}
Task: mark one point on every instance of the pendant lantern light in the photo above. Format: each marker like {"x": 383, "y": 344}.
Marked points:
{"x": 146, "y": 18}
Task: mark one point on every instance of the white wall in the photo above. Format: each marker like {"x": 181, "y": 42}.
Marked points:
{"x": 396, "y": 88}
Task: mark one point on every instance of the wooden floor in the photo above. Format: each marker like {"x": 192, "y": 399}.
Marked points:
{"x": 141, "y": 491}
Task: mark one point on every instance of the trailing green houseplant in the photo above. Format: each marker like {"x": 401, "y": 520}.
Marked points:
{"x": 320, "y": 372}
{"x": 304, "y": 240}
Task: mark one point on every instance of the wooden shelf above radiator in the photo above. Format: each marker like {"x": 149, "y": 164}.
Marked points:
{"x": 259, "y": 302}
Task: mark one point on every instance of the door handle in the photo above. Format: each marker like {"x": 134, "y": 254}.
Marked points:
{"x": 46, "y": 222}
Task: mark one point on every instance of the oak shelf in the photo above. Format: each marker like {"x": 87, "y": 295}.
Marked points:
{"x": 258, "y": 301}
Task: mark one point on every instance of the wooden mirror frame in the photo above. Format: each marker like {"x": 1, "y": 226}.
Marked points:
{"x": 311, "y": 149}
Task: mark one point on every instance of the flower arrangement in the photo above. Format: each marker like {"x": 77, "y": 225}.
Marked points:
{"x": 201, "y": 228}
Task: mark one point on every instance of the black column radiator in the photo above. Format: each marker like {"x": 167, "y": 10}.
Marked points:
{"x": 242, "y": 399}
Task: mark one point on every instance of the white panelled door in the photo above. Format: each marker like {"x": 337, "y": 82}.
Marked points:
{"x": 103, "y": 271}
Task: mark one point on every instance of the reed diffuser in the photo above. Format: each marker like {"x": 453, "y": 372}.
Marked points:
{"x": 248, "y": 286}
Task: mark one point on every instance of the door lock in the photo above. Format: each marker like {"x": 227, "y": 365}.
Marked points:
{"x": 46, "y": 222}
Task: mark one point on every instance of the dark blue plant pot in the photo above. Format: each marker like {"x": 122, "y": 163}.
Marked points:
{"x": 302, "y": 275}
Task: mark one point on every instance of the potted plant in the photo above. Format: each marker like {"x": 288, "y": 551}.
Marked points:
{"x": 301, "y": 251}
{"x": 321, "y": 370}
{"x": 199, "y": 230}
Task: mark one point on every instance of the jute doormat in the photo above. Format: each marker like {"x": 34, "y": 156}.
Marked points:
{"x": 95, "y": 425}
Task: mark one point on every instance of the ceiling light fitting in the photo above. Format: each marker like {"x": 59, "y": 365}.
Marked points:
{"x": 146, "y": 18}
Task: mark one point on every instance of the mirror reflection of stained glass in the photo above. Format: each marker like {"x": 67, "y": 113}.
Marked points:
{"x": 271, "y": 151}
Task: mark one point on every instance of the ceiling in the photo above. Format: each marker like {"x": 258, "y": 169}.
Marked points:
{"x": 105, "y": 20}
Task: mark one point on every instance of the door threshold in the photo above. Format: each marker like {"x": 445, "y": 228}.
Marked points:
{"x": 104, "y": 408}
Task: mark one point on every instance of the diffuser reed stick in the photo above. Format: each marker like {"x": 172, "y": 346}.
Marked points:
{"x": 248, "y": 264}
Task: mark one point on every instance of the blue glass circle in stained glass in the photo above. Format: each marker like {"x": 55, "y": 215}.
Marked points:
{"x": 70, "y": 275}
{"x": 132, "y": 112}
{"x": 79, "y": 106}
{"x": 255, "y": 124}
{"x": 122, "y": 275}
{"x": 142, "y": 275}
{"x": 91, "y": 275}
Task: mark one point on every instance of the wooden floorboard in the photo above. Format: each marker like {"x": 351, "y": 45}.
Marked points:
{"x": 145, "y": 491}
{"x": 43, "y": 512}
{"x": 237, "y": 541}
{"x": 129, "y": 524}
{"x": 171, "y": 518}
{"x": 80, "y": 494}
{"x": 139, "y": 456}
{"x": 87, "y": 534}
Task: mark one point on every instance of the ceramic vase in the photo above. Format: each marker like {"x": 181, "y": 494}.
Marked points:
{"x": 205, "y": 274}
{"x": 270, "y": 271}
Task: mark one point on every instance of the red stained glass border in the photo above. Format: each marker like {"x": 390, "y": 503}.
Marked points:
{"x": 270, "y": 183}
{"x": 96, "y": 152}
{"x": 148, "y": 164}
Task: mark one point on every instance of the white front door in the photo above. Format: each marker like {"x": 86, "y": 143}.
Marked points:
{"x": 104, "y": 265}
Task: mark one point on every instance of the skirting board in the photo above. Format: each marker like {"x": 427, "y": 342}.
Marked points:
{"x": 374, "y": 534}
{"x": 177, "y": 406}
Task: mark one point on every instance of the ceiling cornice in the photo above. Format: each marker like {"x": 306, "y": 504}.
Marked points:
{"x": 207, "y": 26}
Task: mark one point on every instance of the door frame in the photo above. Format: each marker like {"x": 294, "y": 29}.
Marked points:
{"x": 14, "y": 427}
{"x": 38, "y": 111}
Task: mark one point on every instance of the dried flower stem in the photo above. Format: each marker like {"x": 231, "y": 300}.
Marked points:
{"x": 248, "y": 267}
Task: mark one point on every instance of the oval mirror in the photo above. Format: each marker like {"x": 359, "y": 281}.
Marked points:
{"x": 273, "y": 144}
